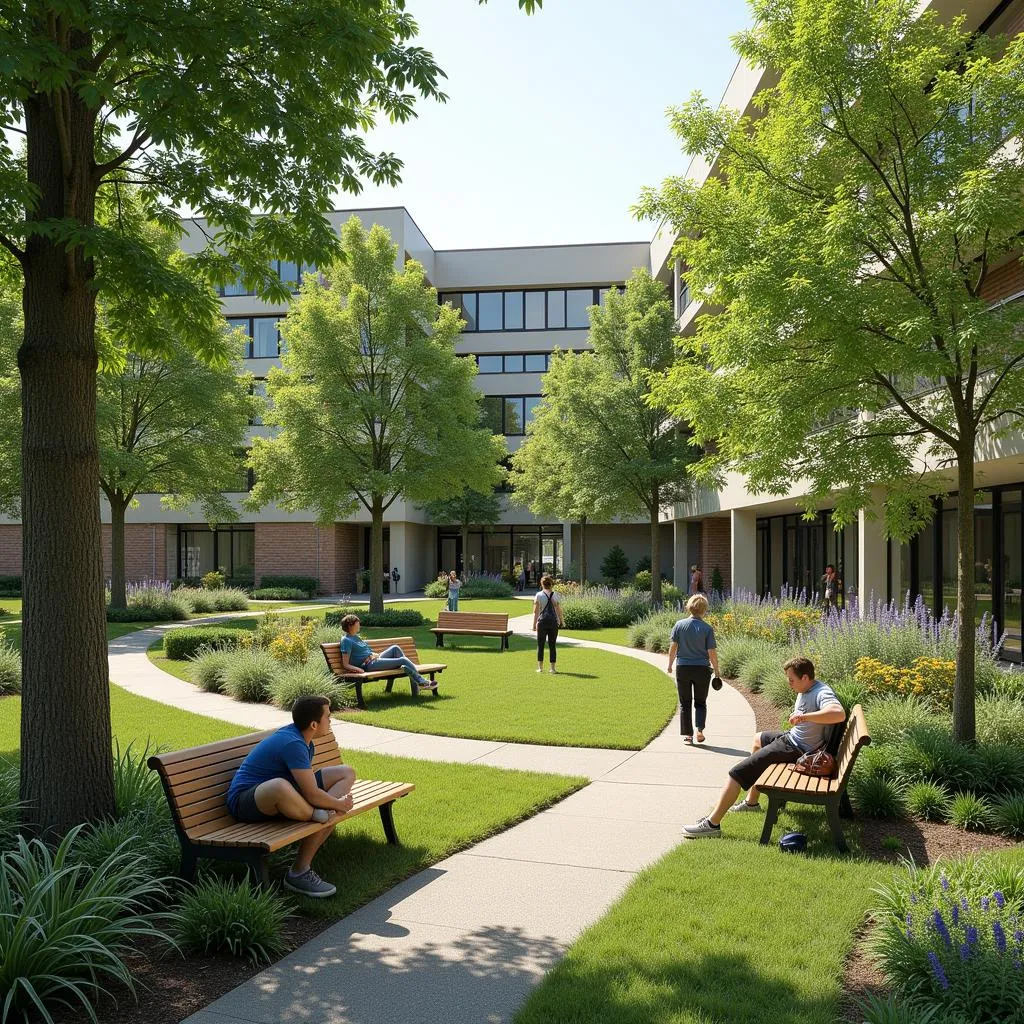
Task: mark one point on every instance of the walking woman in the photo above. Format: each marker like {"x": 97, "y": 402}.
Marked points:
{"x": 547, "y": 618}
{"x": 454, "y": 583}
{"x": 693, "y": 656}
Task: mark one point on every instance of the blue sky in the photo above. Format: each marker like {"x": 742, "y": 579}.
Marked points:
{"x": 554, "y": 122}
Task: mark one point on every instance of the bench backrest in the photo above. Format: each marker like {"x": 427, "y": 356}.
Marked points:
{"x": 472, "y": 620}
{"x": 196, "y": 780}
{"x": 332, "y": 652}
{"x": 855, "y": 736}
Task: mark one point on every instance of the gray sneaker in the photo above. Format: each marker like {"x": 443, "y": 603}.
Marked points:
{"x": 321, "y": 815}
{"x": 702, "y": 829}
{"x": 309, "y": 883}
{"x": 742, "y": 807}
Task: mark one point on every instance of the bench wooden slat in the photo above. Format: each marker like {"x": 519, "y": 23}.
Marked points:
{"x": 472, "y": 620}
{"x": 332, "y": 655}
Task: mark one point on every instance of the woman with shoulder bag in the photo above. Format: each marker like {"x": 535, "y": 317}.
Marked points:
{"x": 694, "y": 659}
{"x": 547, "y": 618}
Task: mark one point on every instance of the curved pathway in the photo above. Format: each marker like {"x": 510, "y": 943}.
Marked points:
{"x": 465, "y": 940}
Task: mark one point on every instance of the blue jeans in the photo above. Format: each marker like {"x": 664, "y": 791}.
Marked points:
{"x": 453, "y": 602}
{"x": 392, "y": 657}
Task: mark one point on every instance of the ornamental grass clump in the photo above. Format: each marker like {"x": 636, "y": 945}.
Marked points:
{"x": 945, "y": 941}
{"x": 209, "y": 667}
{"x": 250, "y": 675}
{"x": 202, "y": 601}
{"x": 149, "y": 601}
{"x": 220, "y": 916}
{"x": 10, "y": 668}
{"x": 928, "y": 801}
{"x": 308, "y": 680}
{"x": 136, "y": 786}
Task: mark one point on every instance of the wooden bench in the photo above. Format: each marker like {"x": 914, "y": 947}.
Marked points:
{"x": 782, "y": 785}
{"x": 332, "y": 654}
{"x": 196, "y": 783}
{"x": 473, "y": 624}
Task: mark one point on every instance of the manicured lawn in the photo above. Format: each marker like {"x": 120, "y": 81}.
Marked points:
{"x": 114, "y": 630}
{"x": 608, "y": 635}
{"x": 722, "y": 931}
{"x": 491, "y": 695}
{"x": 453, "y": 806}
{"x": 10, "y": 608}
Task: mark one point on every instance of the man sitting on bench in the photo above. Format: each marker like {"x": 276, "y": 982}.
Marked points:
{"x": 817, "y": 707}
{"x": 276, "y": 779}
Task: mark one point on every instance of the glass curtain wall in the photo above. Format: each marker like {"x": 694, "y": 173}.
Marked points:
{"x": 501, "y": 550}
{"x": 792, "y": 553}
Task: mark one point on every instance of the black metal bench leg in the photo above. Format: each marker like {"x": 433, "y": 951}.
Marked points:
{"x": 390, "y": 685}
{"x": 388, "y": 821}
{"x": 845, "y": 807}
{"x": 832, "y": 813}
{"x": 439, "y": 639}
{"x": 359, "y": 695}
{"x": 188, "y": 862}
{"x": 256, "y": 862}
{"x": 770, "y": 817}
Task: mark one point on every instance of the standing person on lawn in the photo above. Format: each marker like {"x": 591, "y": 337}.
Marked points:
{"x": 547, "y": 618}
{"x": 693, "y": 657}
{"x": 454, "y": 583}
{"x": 276, "y": 780}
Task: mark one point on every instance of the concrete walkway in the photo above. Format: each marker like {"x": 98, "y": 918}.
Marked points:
{"x": 465, "y": 940}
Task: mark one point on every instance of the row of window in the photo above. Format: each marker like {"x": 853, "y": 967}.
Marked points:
{"x": 524, "y": 362}
{"x": 548, "y": 310}
{"x": 263, "y": 332}
{"x": 508, "y": 414}
{"x": 288, "y": 271}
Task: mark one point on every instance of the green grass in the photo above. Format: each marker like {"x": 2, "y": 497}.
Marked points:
{"x": 10, "y": 608}
{"x": 721, "y": 931}
{"x": 607, "y": 635}
{"x": 114, "y": 630}
{"x": 490, "y": 695}
{"x": 453, "y": 806}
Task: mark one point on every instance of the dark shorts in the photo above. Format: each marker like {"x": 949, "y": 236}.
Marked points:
{"x": 245, "y": 808}
{"x": 775, "y": 749}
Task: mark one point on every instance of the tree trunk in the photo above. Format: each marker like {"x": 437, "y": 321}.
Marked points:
{"x": 118, "y": 597}
{"x": 655, "y": 550}
{"x": 66, "y": 759}
{"x": 377, "y": 554}
{"x": 583, "y": 550}
{"x": 966, "y": 600}
{"x": 465, "y": 549}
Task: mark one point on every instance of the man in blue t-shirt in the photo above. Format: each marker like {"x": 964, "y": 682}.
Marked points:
{"x": 817, "y": 708}
{"x": 276, "y": 779}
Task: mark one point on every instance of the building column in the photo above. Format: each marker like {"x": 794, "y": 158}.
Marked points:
{"x": 744, "y": 550}
{"x": 872, "y": 555}
{"x": 680, "y": 568}
{"x": 399, "y": 554}
{"x": 566, "y": 546}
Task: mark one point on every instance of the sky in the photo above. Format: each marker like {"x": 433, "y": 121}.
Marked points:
{"x": 554, "y": 122}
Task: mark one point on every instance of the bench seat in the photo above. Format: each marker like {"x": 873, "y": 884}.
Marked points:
{"x": 473, "y": 624}
{"x": 332, "y": 655}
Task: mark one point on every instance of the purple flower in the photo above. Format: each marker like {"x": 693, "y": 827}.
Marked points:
{"x": 944, "y": 882}
{"x": 955, "y": 914}
{"x": 940, "y": 927}
{"x": 1018, "y": 936}
{"x": 913, "y": 898}
{"x": 940, "y": 974}
{"x": 910, "y": 920}
{"x": 965, "y": 951}
{"x": 985, "y": 903}
{"x": 972, "y": 935}
{"x": 999, "y": 935}
{"x": 999, "y": 898}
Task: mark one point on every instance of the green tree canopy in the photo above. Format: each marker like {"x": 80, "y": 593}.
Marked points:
{"x": 372, "y": 402}
{"x": 851, "y": 239}
{"x": 470, "y": 508}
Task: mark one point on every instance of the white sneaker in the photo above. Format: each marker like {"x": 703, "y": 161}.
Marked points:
{"x": 702, "y": 829}
{"x": 553, "y": 671}
{"x": 742, "y": 807}
{"x": 321, "y": 815}
{"x": 540, "y": 670}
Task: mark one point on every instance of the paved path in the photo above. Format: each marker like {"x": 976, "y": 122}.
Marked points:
{"x": 464, "y": 941}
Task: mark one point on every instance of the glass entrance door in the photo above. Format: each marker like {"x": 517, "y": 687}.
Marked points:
{"x": 451, "y": 555}
{"x": 1011, "y": 547}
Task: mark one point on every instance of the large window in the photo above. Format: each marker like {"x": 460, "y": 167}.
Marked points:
{"x": 518, "y": 310}
{"x": 288, "y": 271}
{"x": 508, "y": 414}
{"x": 519, "y": 362}
{"x": 202, "y": 550}
{"x": 263, "y": 332}
{"x": 792, "y": 553}
{"x": 259, "y": 389}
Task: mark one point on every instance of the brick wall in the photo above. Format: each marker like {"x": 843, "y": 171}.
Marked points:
{"x": 145, "y": 551}
{"x": 303, "y": 549}
{"x": 10, "y": 549}
{"x": 716, "y": 549}
{"x": 1005, "y": 280}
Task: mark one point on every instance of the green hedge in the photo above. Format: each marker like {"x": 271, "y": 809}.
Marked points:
{"x": 180, "y": 644}
{"x": 395, "y": 617}
{"x": 308, "y": 584}
{"x": 10, "y": 586}
{"x": 279, "y": 594}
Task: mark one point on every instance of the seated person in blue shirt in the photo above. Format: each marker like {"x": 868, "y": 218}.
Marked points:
{"x": 816, "y": 710}
{"x": 356, "y": 656}
{"x": 276, "y": 779}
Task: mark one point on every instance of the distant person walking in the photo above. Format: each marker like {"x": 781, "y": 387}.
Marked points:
{"x": 547, "y": 618}
{"x": 454, "y": 585}
{"x": 692, "y": 656}
{"x": 696, "y": 580}
{"x": 831, "y": 588}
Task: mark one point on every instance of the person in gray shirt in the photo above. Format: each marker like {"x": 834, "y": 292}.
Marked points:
{"x": 816, "y": 710}
{"x": 692, "y": 656}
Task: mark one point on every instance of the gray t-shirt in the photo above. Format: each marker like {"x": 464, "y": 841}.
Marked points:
{"x": 694, "y": 638}
{"x": 809, "y": 736}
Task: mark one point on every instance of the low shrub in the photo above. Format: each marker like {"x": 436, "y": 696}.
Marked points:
{"x": 152, "y": 608}
{"x": 1008, "y": 815}
{"x": 877, "y": 761}
{"x": 652, "y": 630}
{"x": 250, "y": 675}
{"x": 892, "y": 1009}
{"x": 597, "y": 607}
{"x": 309, "y": 585}
{"x": 1000, "y": 720}
{"x": 735, "y": 652}
{"x": 309, "y": 680}
{"x": 970, "y": 812}
{"x": 292, "y": 644}
{"x": 10, "y": 668}
{"x": 10, "y": 586}
{"x": 209, "y": 665}
{"x": 894, "y": 718}
{"x": 372, "y": 620}
{"x": 764, "y": 673}
{"x": 180, "y": 644}
{"x": 875, "y": 796}
{"x": 436, "y": 588}
{"x": 10, "y": 804}
{"x": 930, "y": 754}
{"x": 136, "y": 787}
{"x": 147, "y": 834}
{"x": 214, "y": 580}
{"x": 998, "y": 768}
{"x": 581, "y": 614}
{"x": 66, "y": 927}
{"x": 219, "y": 916}
{"x": 493, "y": 587}
{"x": 930, "y": 679}
{"x": 279, "y": 594}
{"x": 928, "y": 801}
{"x": 222, "y": 599}
{"x": 850, "y": 694}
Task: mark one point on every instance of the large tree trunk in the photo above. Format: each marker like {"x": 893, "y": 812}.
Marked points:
{"x": 66, "y": 761}
{"x": 966, "y": 601}
{"x": 583, "y": 550}
{"x": 377, "y": 554}
{"x": 655, "y": 549}
{"x": 118, "y": 598}
{"x": 465, "y": 549}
